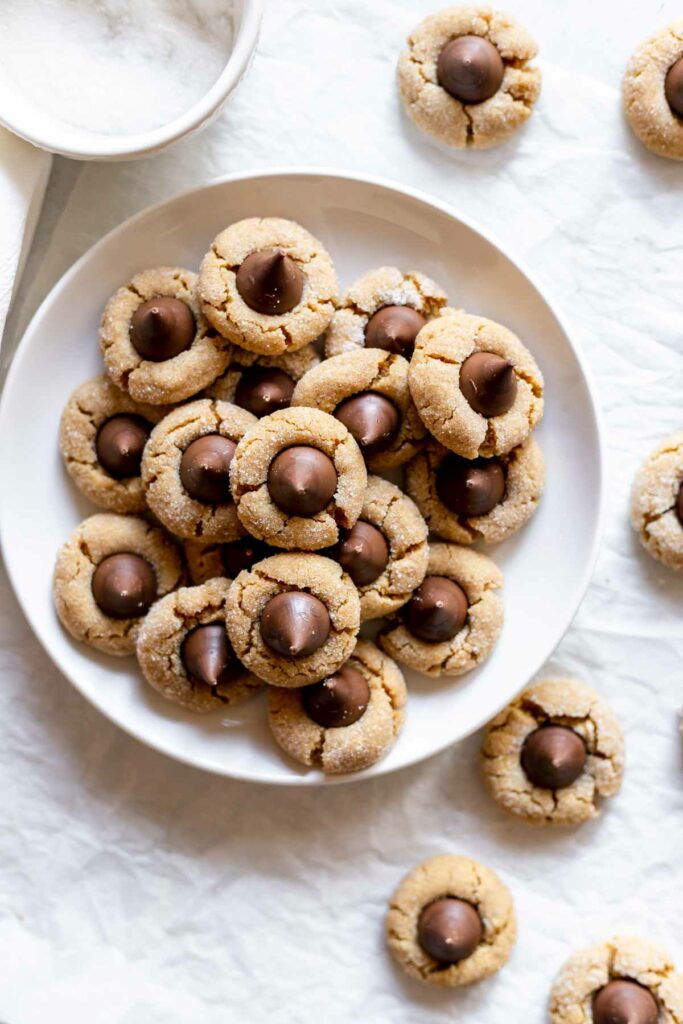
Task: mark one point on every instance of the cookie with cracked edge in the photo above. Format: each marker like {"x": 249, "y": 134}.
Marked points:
{"x": 657, "y": 503}
{"x": 653, "y": 92}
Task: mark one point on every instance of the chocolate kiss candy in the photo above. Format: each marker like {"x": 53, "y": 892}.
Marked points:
{"x": 242, "y": 554}
{"x": 679, "y": 505}
{"x": 207, "y": 656}
{"x": 364, "y": 553}
{"x": 264, "y": 389}
{"x": 270, "y": 282}
{"x": 624, "y": 1002}
{"x": 437, "y": 611}
{"x": 470, "y": 488}
{"x": 449, "y": 930}
{"x": 339, "y": 700}
{"x": 161, "y": 328}
{"x": 119, "y": 445}
{"x": 394, "y": 329}
{"x": 470, "y": 68}
{"x": 295, "y": 624}
{"x": 488, "y": 382}
{"x": 302, "y": 480}
{"x": 674, "y": 87}
{"x": 553, "y": 757}
{"x": 205, "y": 469}
{"x": 124, "y": 586}
{"x": 371, "y": 419}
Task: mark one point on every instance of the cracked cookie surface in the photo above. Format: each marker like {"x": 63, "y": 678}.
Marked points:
{"x": 348, "y": 748}
{"x": 564, "y": 702}
{"x": 655, "y": 499}
{"x": 645, "y": 103}
{"x": 94, "y": 540}
{"x": 170, "y": 380}
{"x": 460, "y": 878}
{"x": 263, "y": 333}
{"x": 441, "y": 348}
{"x": 473, "y": 125}
{"x": 623, "y": 957}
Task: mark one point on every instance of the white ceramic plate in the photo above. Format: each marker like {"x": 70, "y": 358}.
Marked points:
{"x": 364, "y": 223}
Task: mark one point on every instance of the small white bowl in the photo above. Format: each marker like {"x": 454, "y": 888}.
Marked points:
{"x": 21, "y": 116}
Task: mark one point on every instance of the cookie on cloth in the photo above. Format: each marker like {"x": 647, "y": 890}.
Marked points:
{"x": 263, "y": 384}
{"x": 186, "y": 469}
{"x": 453, "y": 619}
{"x": 385, "y": 308}
{"x": 346, "y": 722}
{"x": 268, "y": 285}
{"x": 156, "y": 343}
{"x": 477, "y": 388}
{"x": 209, "y": 561}
{"x": 653, "y": 92}
{"x": 298, "y": 478}
{"x": 624, "y": 979}
{"x": 108, "y": 575}
{"x": 184, "y": 651}
{"x": 554, "y": 754}
{"x": 451, "y": 922}
{"x": 657, "y": 502}
{"x": 467, "y": 500}
{"x": 465, "y": 77}
{"x": 102, "y": 434}
{"x": 293, "y": 618}
{"x": 367, "y": 390}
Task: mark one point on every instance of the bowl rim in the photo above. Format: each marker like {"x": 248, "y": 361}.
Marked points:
{"x": 471, "y": 223}
{"x": 61, "y": 139}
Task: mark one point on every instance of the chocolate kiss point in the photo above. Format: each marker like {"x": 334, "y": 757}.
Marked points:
{"x": 470, "y": 68}
{"x": 488, "y": 383}
{"x": 394, "y": 329}
{"x": 338, "y": 701}
{"x": 208, "y": 657}
{"x": 295, "y": 624}
{"x": 162, "y": 328}
{"x": 624, "y": 1002}
{"x": 449, "y": 930}
{"x": 553, "y": 757}
{"x": 371, "y": 419}
{"x": 270, "y": 282}
{"x": 124, "y": 585}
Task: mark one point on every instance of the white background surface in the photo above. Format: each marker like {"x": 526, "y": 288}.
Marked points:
{"x": 135, "y": 890}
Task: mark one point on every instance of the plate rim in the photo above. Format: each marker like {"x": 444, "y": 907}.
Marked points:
{"x": 300, "y": 170}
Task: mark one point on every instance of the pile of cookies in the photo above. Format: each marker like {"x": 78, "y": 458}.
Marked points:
{"x": 237, "y": 442}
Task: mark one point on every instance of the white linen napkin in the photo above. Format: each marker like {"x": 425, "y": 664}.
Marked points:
{"x": 24, "y": 172}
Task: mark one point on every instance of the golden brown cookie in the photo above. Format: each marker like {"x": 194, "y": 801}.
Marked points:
{"x": 209, "y": 561}
{"x": 185, "y": 469}
{"x": 453, "y": 620}
{"x": 625, "y": 978}
{"x": 184, "y": 651}
{"x": 298, "y": 478}
{"x": 107, "y": 576}
{"x": 657, "y": 502}
{"x": 404, "y": 301}
{"x": 653, "y": 92}
{"x": 483, "y": 499}
{"x": 465, "y": 77}
{"x": 293, "y": 618}
{"x": 451, "y": 922}
{"x": 101, "y": 438}
{"x": 462, "y": 361}
{"x": 177, "y": 352}
{"x": 279, "y": 301}
{"x": 368, "y": 391}
{"x": 554, "y": 754}
{"x": 344, "y": 723}
{"x": 263, "y": 384}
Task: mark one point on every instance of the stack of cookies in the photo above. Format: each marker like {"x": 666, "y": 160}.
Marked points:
{"x": 272, "y": 460}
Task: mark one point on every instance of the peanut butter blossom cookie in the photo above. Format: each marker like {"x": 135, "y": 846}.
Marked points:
{"x": 653, "y": 92}
{"x": 268, "y": 285}
{"x": 453, "y": 619}
{"x": 626, "y": 980}
{"x": 108, "y": 575}
{"x": 184, "y": 651}
{"x": 298, "y": 478}
{"x": 477, "y": 388}
{"x": 367, "y": 390}
{"x": 263, "y": 384}
{"x": 384, "y": 309}
{"x": 155, "y": 342}
{"x": 554, "y": 754}
{"x": 657, "y": 503}
{"x": 293, "y": 618}
{"x": 186, "y": 469}
{"x": 466, "y": 79}
{"x": 466, "y": 500}
{"x": 347, "y": 721}
{"x": 451, "y": 922}
{"x": 102, "y": 435}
